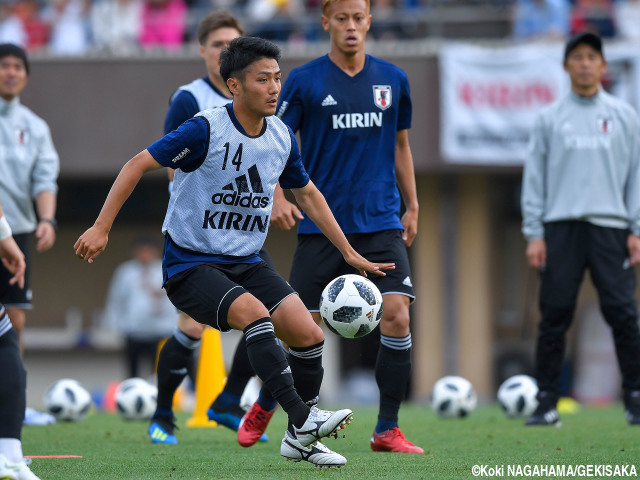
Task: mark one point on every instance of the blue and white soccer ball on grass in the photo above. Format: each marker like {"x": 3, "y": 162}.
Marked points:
{"x": 517, "y": 396}
{"x": 67, "y": 400}
{"x": 136, "y": 399}
{"x": 351, "y": 306}
{"x": 453, "y": 397}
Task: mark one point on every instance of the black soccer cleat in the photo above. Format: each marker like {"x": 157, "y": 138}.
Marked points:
{"x": 632, "y": 408}
{"x": 544, "y": 416}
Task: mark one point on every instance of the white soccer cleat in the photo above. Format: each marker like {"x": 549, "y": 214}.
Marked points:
{"x": 317, "y": 454}
{"x": 322, "y": 423}
{"x": 15, "y": 471}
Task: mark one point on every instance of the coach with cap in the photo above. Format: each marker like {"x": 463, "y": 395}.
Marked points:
{"x": 581, "y": 210}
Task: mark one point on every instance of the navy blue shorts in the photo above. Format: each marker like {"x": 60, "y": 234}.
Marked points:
{"x": 206, "y": 292}
{"x": 317, "y": 261}
{"x": 13, "y": 296}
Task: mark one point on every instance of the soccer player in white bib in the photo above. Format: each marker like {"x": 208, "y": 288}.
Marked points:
{"x": 353, "y": 112}
{"x": 14, "y": 379}
{"x": 176, "y": 360}
{"x": 228, "y": 161}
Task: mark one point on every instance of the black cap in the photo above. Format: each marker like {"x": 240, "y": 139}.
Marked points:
{"x": 11, "y": 50}
{"x": 585, "y": 38}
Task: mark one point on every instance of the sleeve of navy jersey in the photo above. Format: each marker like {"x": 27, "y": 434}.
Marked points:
{"x": 183, "y": 106}
{"x": 404, "y": 112}
{"x": 290, "y": 109}
{"x": 294, "y": 174}
{"x": 184, "y": 148}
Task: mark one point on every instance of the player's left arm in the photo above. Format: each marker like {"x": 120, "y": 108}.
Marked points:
{"x": 405, "y": 176}
{"x": 315, "y": 206}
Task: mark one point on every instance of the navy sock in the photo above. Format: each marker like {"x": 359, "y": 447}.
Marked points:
{"x": 393, "y": 371}
{"x": 270, "y": 363}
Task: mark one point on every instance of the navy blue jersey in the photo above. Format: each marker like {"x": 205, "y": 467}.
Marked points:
{"x": 348, "y": 127}
{"x": 223, "y": 188}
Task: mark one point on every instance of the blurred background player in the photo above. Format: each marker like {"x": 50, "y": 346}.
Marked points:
{"x": 29, "y": 168}
{"x": 13, "y": 388}
{"x": 214, "y": 33}
{"x": 588, "y": 137}
{"x": 353, "y": 112}
{"x": 138, "y": 308}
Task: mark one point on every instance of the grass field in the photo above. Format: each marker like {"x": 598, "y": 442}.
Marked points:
{"x": 114, "y": 449}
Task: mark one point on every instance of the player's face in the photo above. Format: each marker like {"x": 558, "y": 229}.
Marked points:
{"x": 216, "y": 42}
{"x": 261, "y": 87}
{"x": 348, "y": 22}
{"x": 585, "y": 67}
{"x": 13, "y": 77}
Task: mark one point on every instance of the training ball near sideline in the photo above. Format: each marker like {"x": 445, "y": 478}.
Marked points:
{"x": 351, "y": 306}
{"x": 517, "y": 396}
{"x": 67, "y": 400}
{"x": 136, "y": 399}
{"x": 453, "y": 397}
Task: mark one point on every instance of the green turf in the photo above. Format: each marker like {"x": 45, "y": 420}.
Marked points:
{"x": 114, "y": 449}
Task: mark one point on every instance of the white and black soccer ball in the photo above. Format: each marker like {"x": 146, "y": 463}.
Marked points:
{"x": 67, "y": 400}
{"x": 136, "y": 399}
{"x": 517, "y": 396}
{"x": 453, "y": 397}
{"x": 351, "y": 306}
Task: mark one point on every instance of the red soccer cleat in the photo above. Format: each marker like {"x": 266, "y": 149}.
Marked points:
{"x": 393, "y": 441}
{"x": 253, "y": 425}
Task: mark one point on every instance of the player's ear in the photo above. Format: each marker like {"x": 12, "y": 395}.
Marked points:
{"x": 234, "y": 85}
{"x": 325, "y": 23}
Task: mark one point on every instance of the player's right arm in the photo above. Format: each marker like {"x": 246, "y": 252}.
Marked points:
{"x": 93, "y": 242}
{"x": 12, "y": 256}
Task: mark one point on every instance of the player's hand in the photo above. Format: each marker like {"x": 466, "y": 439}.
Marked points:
{"x": 45, "y": 236}
{"x": 91, "y": 244}
{"x": 13, "y": 260}
{"x": 633, "y": 244}
{"x": 284, "y": 213}
{"x": 363, "y": 265}
{"x": 537, "y": 253}
{"x": 410, "y": 223}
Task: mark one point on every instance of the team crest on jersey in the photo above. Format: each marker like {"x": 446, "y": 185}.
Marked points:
{"x": 382, "y": 96}
{"x": 605, "y": 124}
{"x": 22, "y": 136}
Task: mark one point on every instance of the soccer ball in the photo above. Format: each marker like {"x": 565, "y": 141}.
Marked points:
{"x": 67, "y": 400}
{"x": 351, "y": 306}
{"x": 136, "y": 399}
{"x": 517, "y": 396}
{"x": 453, "y": 397}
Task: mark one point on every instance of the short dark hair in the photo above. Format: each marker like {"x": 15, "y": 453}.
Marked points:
{"x": 242, "y": 52}
{"x": 585, "y": 38}
{"x": 215, "y": 20}
{"x": 11, "y": 50}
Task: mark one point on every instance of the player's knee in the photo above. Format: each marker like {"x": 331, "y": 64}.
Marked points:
{"x": 18, "y": 318}
{"x": 396, "y": 322}
{"x": 189, "y": 326}
{"x": 312, "y": 334}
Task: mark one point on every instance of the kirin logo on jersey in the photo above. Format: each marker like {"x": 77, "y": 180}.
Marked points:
{"x": 22, "y": 136}
{"x": 605, "y": 124}
{"x": 382, "y": 96}
{"x": 238, "y": 194}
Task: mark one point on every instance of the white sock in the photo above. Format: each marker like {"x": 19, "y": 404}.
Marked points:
{"x": 12, "y": 449}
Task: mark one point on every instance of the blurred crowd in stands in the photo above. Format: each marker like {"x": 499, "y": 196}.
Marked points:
{"x": 79, "y": 27}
